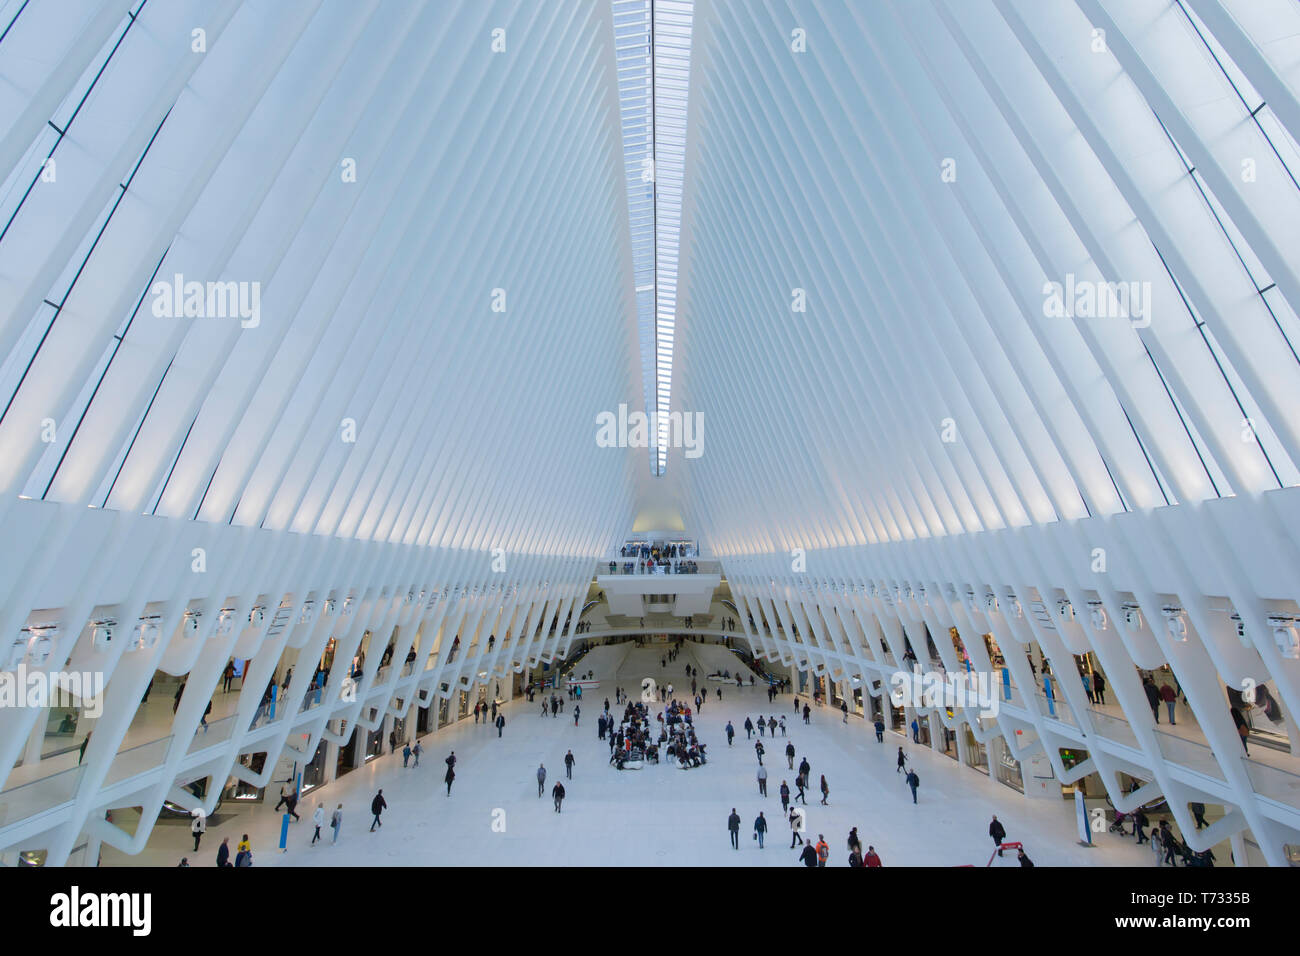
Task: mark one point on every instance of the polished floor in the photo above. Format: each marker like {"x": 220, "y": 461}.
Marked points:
{"x": 656, "y": 816}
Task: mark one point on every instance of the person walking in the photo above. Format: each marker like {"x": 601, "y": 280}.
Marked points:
{"x": 1099, "y": 687}
{"x": 762, "y": 725}
{"x": 541, "y": 780}
{"x": 758, "y": 749}
{"x": 800, "y": 783}
{"x": 731, "y": 733}
{"x": 223, "y": 852}
{"x": 902, "y": 761}
{"x": 916, "y": 731}
{"x": 760, "y": 828}
{"x": 416, "y": 751}
{"x": 913, "y": 781}
{"x": 783, "y": 725}
{"x": 568, "y": 765}
{"x": 1198, "y": 814}
{"x": 880, "y": 731}
{"x": 806, "y": 712}
{"x": 377, "y": 806}
{"x": 318, "y": 821}
{"x": 1153, "y": 696}
{"x": 336, "y": 823}
{"x": 823, "y": 851}
{"x": 558, "y": 793}
{"x": 854, "y": 842}
{"x": 826, "y": 790}
{"x": 733, "y": 827}
{"x": 762, "y": 780}
{"x": 1170, "y": 843}
{"x": 1170, "y": 698}
{"x": 871, "y": 858}
{"x": 785, "y": 796}
{"x": 449, "y": 777}
{"x": 1139, "y": 825}
{"x": 998, "y": 832}
{"x": 844, "y": 709}
{"x": 749, "y": 728}
{"x": 805, "y": 770}
{"x": 789, "y": 754}
{"x": 501, "y": 723}
{"x": 809, "y": 856}
{"x": 198, "y": 827}
{"x": 406, "y": 755}
{"x": 796, "y": 824}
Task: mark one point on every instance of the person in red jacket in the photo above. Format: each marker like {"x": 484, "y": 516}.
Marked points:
{"x": 870, "y": 858}
{"x": 1169, "y": 697}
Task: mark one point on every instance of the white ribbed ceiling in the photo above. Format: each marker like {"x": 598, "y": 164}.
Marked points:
{"x": 914, "y": 175}
{"x": 429, "y": 201}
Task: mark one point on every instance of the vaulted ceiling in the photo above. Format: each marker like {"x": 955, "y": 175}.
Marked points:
{"x": 438, "y": 207}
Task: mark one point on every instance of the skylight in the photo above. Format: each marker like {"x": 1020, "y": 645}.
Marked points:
{"x": 653, "y": 48}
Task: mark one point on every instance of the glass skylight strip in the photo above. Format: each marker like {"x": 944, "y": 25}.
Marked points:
{"x": 632, "y": 21}
{"x": 652, "y": 45}
{"x": 672, "y": 60}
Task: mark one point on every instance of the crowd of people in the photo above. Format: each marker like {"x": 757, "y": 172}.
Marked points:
{"x": 635, "y": 741}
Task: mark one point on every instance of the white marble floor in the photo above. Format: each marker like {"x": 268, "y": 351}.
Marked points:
{"x": 659, "y": 815}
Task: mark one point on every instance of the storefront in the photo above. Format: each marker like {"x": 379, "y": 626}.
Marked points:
{"x": 1071, "y": 757}
{"x": 994, "y": 652}
{"x": 244, "y": 792}
{"x": 897, "y": 716}
{"x": 422, "y": 721}
{"x": 347, "y": 758}
{"x": 313, "y": 775}
{"x": 922, "y": 734}
{"x": 976, "y": 754}
{"x": 948, "y": 741}
{"x": 1007, "y": 766}
{"x": 375, "y": 743}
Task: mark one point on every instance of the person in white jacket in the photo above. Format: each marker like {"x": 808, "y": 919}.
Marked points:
{"x": 318, "y": 819}
{"x": 198, "y": 827}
